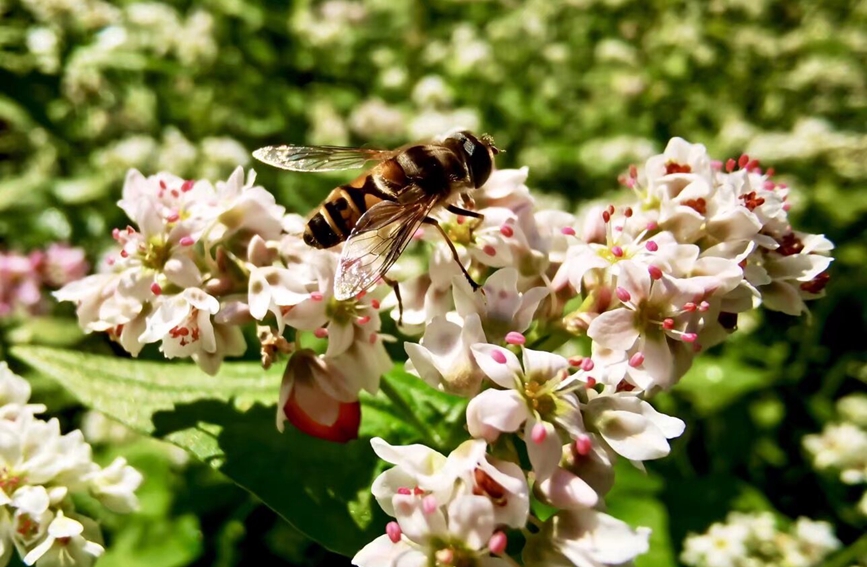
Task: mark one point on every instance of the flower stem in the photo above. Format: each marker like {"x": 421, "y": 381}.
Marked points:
{"x": 431, "y": 436}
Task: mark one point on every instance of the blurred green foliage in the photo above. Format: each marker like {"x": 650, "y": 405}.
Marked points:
{"x": 576, "y": 90}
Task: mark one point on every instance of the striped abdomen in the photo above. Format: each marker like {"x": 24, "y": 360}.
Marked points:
{"x": 437, "y": 169}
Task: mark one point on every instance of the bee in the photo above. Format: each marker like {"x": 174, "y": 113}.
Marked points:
{"x": 378, "y": 213}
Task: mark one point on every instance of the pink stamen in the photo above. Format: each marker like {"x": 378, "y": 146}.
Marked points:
{"x": 507, "y": 231}
{"x": 174, "y": 217}
{"x": 689, "y": 307}
{"x": 689, "y": 337}
{"x": 628, "y": 212}
{"x": 538, "y": 434}
{"x": 187, "y": 241}
{"x": 156, "y": 289}
{"x": 568, "y": 231}
{"x": 320, "y": 333}
{"x": 587, "y": 364}
{"x": 606, "y": 216}
{"x": 364, "y": 320}
{"x": 498, "y": 356}
{"x": 360, "y": 295}
{"x": 651, "y": 226}
{"x": 317, "y": 296}
{"x": 730, "y": 165}
{"x": 515, "y": 338}
{"x": 636, "y": 359}
{"x": 404, "y": 491}
{"x": 392, "y": 529}
{"x": 703, "y": 306}
{"x": 417, "y": 491}
{"x": 489, "y": 250}
{"x": 617, "y": 251}
{"x": 651, "y": 246}
{"x": 576, "y": 361}
{"x": 591, "y": 382}
{"x": 187, "y": 185}
{"x": 743, "y": 160}
{"x": 716, "y": 165}
{"x": 429, "y": 504}
{"x": 622, "y": 294}
{"x": 655, "y": 272}
{"x": 668, "y": 324}
{"x": 583, "y": 445}
{"x": 497, "y": 543}
{"x": 769, "y": 185}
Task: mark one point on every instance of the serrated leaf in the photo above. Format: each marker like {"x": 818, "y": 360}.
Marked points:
{"x": 321, "y": 488}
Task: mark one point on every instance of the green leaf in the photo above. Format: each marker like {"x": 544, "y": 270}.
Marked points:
{"x": 715, "y": 382}
{"x": 321, "y": 488}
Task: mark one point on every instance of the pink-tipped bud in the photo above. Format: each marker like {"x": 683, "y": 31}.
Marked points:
{"x": 583, "y": 445}
{"x": 187, "y": 241}
{"x": 651, "y": 246}
{"x": 392, "y": 530}
{"x": 655, "y": 272}
{"x": 539, "y": 434}
{"x": 429, "y": 504}
{"x": 617, "y": 251}
{"x": 320, "y": 333}
{"x": 668, "y": 324}
{"x": 568, "y": 231}
{"x": 622, "y": 294}
{"x": 317, "y": 296}
{"x": 689, "y": 337}
{"x": 489, "y": 250}
{"x": 743, "y": 160}
{"x": 156, "y": 289}
{"x": 497, "y": 543}
{"x": 636, "y": 359}
{"x": 689, "y": 307}
{"x": 515, "y": 338}
{"x": 404, "y": 491}
{"x": 498, "y": 356}
{"x": 363, "y": 320}
{"x": 507, "y": 231}
{"x": 730, "y": 165}
{"x": 703, "y": 306}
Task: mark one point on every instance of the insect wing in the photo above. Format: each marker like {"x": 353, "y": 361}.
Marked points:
{"x": 377, "y": 241}
{"x": 319, "y": 158}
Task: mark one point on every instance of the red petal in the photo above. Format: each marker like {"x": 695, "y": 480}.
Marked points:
{"x": 344, "y": 428}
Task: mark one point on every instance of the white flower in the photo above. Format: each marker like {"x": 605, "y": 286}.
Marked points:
{"x": 459, "y": 535}
{"x": 443, "y": 358}
{"x": 115, "y": 486}
{"x": 587, "y": 538}
{"x": 630, "y": 426}
{"x": 64, "y": 545}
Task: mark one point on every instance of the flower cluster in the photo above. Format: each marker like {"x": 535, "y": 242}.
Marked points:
{"x": 24, "y": 278}
{"x": 578, "y": 320}
{"x": 756, "y": 540}
{"x": 842, "y": 446}
{"x": 39, "y": 471}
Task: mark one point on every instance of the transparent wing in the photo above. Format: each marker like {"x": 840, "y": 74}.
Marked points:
{"x": 377, "y": 241}
{"x": 319, "y": 158}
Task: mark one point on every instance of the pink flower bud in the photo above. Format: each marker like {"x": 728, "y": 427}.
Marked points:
{"x": 497, "y": 543}
{"x": 515, "y": 338}
{"x": 392, "y": 529}
{"x": 539, "y": 434}
{"x": 622, "y": 294}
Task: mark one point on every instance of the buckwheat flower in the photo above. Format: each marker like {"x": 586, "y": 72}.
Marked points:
{"x": 630, "y": 425}
{"x": 840, "y": 446}
{"x": 115, "y": 486}
{"x": 537, "y": 395}
{"x": 722, "y": 546}
{"x": 460, "y": 535}
{"x": 501, "y": 308}
{"x": 587, "y": 538}
{"x": 14, "y": 394}
{"x": 65, "y": 544}
{"x": 679, "y": 164}
{"x": 794, "y": 271}
{"x": 654, "y": 314}
{"x": 444, "y": 358}
{"x": 242, "y": 206}
{"x": 62, "y": 264}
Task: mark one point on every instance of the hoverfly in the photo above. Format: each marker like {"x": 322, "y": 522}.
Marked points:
{"x": 378, "y": 213}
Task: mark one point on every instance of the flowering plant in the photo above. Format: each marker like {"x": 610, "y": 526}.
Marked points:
{"x": 579, "y": 321}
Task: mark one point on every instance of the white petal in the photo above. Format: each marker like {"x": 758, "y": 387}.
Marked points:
{"x": 472, "y": 519}
{"x": 544, "y": 456}
{"x": 566, "y": 491}
{"x": 496, "y": 411}
{"x": 614, "y": 329}
{"x": 507, "y": 374}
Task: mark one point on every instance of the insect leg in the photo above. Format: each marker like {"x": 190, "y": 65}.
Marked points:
{"x": 464, "y": 212}
{"x": 394, "y": 285}
{"x": 434, "y": 222}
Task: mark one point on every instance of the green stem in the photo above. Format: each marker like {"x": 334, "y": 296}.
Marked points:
{"x": 849, "y": 556}
{"x": 429, "y": 434}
